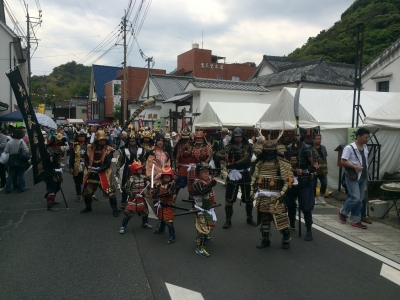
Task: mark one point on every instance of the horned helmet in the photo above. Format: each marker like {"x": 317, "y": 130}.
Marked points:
{"x": 269, "y": 147}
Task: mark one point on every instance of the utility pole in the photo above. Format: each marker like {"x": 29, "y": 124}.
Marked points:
{"x": 28, "y": 41}
{"x": 125, "y": 101}
{"x": 149, "y": 59}
{"x": 44, "y": 93}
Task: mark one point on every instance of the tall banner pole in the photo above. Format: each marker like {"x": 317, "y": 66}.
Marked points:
{"x": 40, "y": 157}
{"x": 296, "y": 114}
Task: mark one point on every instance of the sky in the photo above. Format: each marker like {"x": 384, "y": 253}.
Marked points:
{"x": 241, "y": 31}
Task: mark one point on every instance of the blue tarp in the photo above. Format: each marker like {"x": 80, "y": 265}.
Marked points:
{"x": 14, "y": 116}
{"x": 93, "y": 121}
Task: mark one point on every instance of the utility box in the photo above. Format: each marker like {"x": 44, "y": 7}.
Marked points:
{"x": 377, "y": 208}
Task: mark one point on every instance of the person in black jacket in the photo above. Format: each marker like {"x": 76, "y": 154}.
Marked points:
{"x": 304, "y": 163}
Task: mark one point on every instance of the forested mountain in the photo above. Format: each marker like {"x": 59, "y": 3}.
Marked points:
{"x": 381, "y": 20}
{"x": 66, "y": 81}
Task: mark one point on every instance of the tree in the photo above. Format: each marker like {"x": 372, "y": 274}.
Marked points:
{"x": 117, "y": 112}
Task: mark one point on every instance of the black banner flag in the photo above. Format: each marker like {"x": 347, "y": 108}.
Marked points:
{"x": 40, "y": 157}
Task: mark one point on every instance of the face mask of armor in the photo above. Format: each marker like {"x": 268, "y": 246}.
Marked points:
{"x": 269, "y": 154}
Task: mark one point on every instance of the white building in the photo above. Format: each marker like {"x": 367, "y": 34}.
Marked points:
{"x": 383, "y": 74}
{"x": 180, "y": 93}
{"x": 11, "y": 54}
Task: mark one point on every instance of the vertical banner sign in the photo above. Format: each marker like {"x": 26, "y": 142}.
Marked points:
{"x": 40, "y": 157}
{"x": 41, "y": 109}
{"x": 158, "y": 123}
{"x": 141, "y": 123}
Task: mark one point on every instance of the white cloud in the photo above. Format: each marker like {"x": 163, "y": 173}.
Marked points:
{"x": 240, "y": 30}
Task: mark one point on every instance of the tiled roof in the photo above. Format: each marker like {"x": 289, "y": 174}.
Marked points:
{"x": 168, "y": 86}
{"x": 312, "y": 70}
{"x": 283, "y": 63}
{"x": 103, "y": 75}
{"x": 228, "y": 85}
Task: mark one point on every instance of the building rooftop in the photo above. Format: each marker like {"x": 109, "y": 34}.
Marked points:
{"x": 168, "y": 85}
{"x": 227, "y": 85}
{"x": 290, "y": 70}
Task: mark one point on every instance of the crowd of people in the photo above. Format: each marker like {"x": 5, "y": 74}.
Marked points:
{"x": 152, "y": 167}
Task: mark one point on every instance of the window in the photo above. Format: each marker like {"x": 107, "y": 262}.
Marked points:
{"x": 220, "y": 77}
{"x": 235, "y": 78}
{"x": 84, "y": 111}
{"x": 383, "y": 86}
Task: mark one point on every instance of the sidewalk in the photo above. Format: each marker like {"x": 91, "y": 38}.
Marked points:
{"x": 381, "y": 237}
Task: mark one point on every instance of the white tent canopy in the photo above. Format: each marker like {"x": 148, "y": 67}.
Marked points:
{"x": 332, "y": 111}
{"x": 218, "y": 115}
{"x": 328, "y": 109}
{"x": 387, "y": 116}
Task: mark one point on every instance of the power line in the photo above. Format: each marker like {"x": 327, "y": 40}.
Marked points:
{"x": 86, "y": 15}
{"x": 95, "y": 15}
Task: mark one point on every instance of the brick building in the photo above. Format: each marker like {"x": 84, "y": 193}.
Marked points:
{"x": 201, "y": 63}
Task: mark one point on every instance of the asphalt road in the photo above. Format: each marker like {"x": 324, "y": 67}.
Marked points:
{"x": 65, "y": 255}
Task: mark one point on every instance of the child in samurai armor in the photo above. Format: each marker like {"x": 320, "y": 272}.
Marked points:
{"x": 53, "y": 183}
{"x": 77, "y": 161}
{"x": 98, "y": 173}
{"x": 269, "y": 183}
{"x": 164, "y": 192}
{"x": 205, "y": 219}
{"x": 201, "y": 153}
{"x": 134, "y": 187}
{"x": 184, "y": 161}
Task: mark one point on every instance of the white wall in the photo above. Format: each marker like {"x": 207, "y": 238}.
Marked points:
{"x": 265, "y": 69}
{"x": 390, "y": 65}
{"x": 203, "y": 96}
{"x": 5, "y": 86}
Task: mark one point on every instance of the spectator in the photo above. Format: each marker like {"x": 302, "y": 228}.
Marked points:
{"x": 174, "y": 139}
{"x": 16, "y": 166}
{"x": 322, "y": 171}
{"x": 3, "y": 143}
{"x": 168, "y": 146}
{"x": 8, "y": 134}
{"x": 355, "y": 156}
{"x": 25, "y": 137}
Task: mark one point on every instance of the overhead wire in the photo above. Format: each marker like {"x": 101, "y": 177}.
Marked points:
{"x": 93, "y": 14}
{"x": 86, "y": 16}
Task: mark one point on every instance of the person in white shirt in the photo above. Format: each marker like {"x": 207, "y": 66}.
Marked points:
{"x": 355, "y": 157}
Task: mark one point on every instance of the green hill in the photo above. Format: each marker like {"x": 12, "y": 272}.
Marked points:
{"x": 66, "y": 81}
{"x": 381, "y": 20}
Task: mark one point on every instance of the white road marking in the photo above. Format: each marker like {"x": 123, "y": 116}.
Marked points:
{"x": 395, "y": 266}
{"x": 179, "y": 293}
{"x": 391, "y": 274}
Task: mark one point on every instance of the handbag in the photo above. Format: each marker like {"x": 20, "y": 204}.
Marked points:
{"x": 4, "y": 158}
{"x": 22, "y": 155}
{"x": 351, "y": 172}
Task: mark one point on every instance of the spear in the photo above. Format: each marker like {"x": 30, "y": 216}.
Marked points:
{"x": 296, "y": 114}
{"x": 139, "y": 110}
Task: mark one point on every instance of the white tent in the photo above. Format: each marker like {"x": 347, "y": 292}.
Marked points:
{"x": 331, "y": 110}
{"x": 218, "y": 115}
{"x": 387, "y": 116}
{"x": 328, "y": 109}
